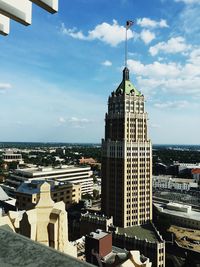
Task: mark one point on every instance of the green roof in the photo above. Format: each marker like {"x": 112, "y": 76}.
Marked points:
{"x": 142, "y": 232}
{"x": 126, "y": 86}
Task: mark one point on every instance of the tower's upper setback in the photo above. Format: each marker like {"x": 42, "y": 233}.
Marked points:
{"x": 126, "y": 101}
{"x": 126, "y": 86}
{"x": 126, "y": 158}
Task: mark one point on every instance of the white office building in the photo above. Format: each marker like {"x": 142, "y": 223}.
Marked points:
{"x": 65, "y": 173}
{"x": 167, "y": 182}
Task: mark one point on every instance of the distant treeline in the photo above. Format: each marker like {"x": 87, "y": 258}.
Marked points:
{"x": 165, "y": 154}
{"x": 28, "y": 145}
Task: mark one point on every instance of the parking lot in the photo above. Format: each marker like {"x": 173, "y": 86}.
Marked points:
{"x": 190, "y": 198}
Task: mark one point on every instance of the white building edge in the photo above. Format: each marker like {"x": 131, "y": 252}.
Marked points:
{"x": 179, "y": 214}
{"x": 21, "y": 11}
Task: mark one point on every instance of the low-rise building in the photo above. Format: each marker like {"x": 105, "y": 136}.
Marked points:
{"x": 89, "y": 161}
{"x": 90, "y": 222}
{"x": 185, "y": 168}
{"x": 100, "y": 252}
{"x": 63, "y": 173}
{"x": 28, "y": 193}
{"x": 10, "y": 156}
{"x": 196, "y": 174}
{"x": 178, "y": 214}
{"x": 144, "y": 238}
{"x": 168, "y": 182}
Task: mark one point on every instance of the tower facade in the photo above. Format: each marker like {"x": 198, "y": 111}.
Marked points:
{"x": 126, "y": 158}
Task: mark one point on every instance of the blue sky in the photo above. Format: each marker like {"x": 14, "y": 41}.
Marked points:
{"x": 56, "y": 75}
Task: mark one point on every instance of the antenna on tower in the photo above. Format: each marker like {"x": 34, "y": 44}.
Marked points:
{"x": 129, "y": 23}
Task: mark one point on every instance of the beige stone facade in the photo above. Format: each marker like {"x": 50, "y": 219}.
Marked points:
{"x": 127, "y": 158}
{"x": 134, "y": 260}
{"x": 47, "y": 223}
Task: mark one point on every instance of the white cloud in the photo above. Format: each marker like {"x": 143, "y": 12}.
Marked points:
{"x": 149, "y": 23}
{"x": 111, "y": 34}
{"x": 73, "y": 33}
{"x": 172, "y": 104}
{"x": 195, "y": 57}
{"x": 74, "y": 122}
{"x": 155, "y": 70}
{"x": 188, "y": 22}
{"x": 78, "y": 120}
{"x": 61, "y": 120}
{"x": 188, "y": 1}
{"x": 173, "y": 45}
{"x": 107, "y": 63}
{"x": 173, "y": 78}
{"x": 5, "y": 86}
{"x": 174, "y": 86}
{"x": 147, "y": 36}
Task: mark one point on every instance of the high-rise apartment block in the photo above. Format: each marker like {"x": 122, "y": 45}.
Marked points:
{"x": 126, "y": 158}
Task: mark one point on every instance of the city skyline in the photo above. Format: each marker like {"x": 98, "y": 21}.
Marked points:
{"x": 54, "y": 79}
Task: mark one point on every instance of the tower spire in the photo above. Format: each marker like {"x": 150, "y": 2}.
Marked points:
{"x": 125, "y": 74}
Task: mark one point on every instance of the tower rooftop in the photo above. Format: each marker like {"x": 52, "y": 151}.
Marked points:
{"x": 126, "y": 85}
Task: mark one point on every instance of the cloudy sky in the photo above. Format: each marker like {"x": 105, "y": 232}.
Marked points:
{"x": 56, "y": 75}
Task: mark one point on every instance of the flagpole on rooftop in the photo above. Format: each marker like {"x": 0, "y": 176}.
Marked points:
{"x": 126, "y": 47}
{"x": 129, "y": 23}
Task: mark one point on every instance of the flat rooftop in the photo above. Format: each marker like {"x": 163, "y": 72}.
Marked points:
{"x": 186, "y": 237}
{"x": 142, "y": 232}
{"x": 33, "y": 187}
{"x": 178, "y": 205}
{"x": 98, "y": 234}
{"x": 49, "y": 170}
{"x": 194, "y": 215}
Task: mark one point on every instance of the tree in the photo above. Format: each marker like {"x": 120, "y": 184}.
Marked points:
{"x": 96, "y": 194}
{"x": 87, "y": 196}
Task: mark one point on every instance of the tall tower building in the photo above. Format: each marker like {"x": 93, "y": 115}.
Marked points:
{"x": 126, "y": 158}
